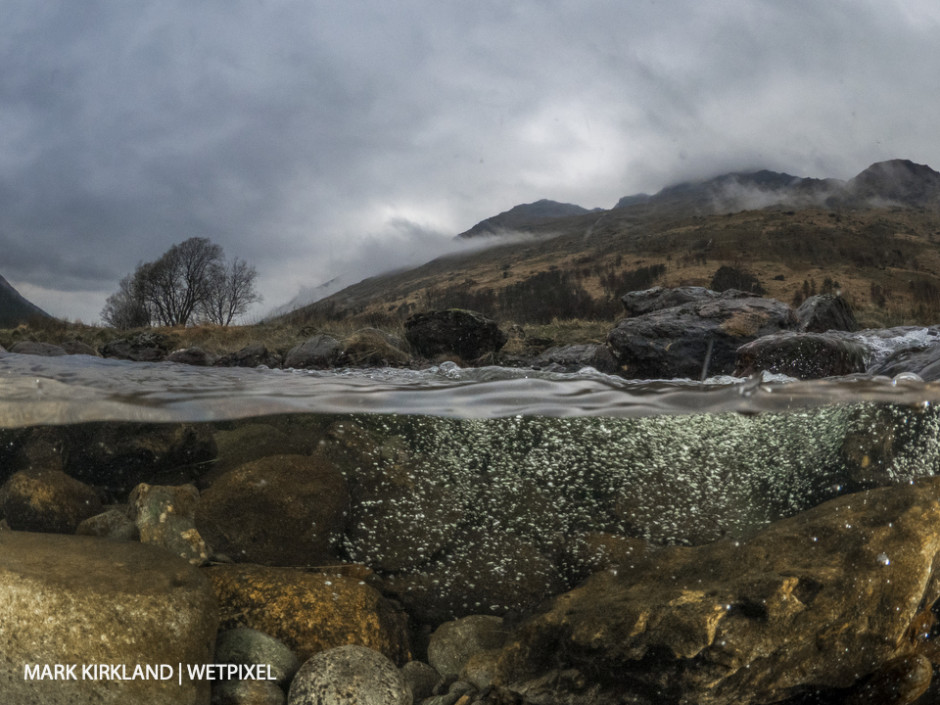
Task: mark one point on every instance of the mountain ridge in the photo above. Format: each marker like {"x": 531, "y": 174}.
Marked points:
{"x": 14, "y": 307}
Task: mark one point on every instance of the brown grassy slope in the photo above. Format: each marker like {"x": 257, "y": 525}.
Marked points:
{"x": 885, "y": 261}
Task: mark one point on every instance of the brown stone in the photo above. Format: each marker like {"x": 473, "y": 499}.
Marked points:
{"x": 280, "y": 510}
{"x": 81, "y": 600}
{"x": 816, "y": 602}
{"x": 47, "y": 501}
{"x": 310, "y": 612}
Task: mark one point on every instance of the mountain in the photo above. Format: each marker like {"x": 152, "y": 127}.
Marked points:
{"x": 14, "y": 309}
{"x": 524, "y": 216}
{"x": 897, "y": 182}
{"x": 874, "y": 237}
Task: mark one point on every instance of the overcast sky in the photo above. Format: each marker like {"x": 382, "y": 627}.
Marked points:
{"x": 337, "y": 137}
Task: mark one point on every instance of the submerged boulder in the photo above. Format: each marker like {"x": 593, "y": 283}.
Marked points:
{"x": 89, "y": 602}
{"x": 47, "y": 501}
{"x": 455, "y": 331}
{"x": 819, "y": 603}
{"x": 696, "y": 338}
{"x": 309, "y": 612}
{"x": 801, "y": 355}
{"x": 280, "y": 510}
{"x": 349, "y": 674}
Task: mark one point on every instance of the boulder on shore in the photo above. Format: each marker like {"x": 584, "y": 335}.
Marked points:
{"x": 801, "y": 355}
{"x": 820, "y": 603}
{"x": 467, "y": 334}
{"x": 696, "y": 338}
{"x": 826, "y": 312}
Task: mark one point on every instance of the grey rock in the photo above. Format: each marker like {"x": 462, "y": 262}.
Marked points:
{"x": 572, "y": 358}
{"x": 318, "y": 352}
{"x": 453, "y": 643}
{"x": 247, "y": 693}
{"x": 695, "y": 338}
{"x": 801, "y": 355}
{"x": 826, "y": 312}
{"x": 27, "y": 347}
{"x": 349, "y": 675}
{"x": 246, "y": 646}
{"x": 144, "y": 347}
{"x": 112, "y": 524}
{"x": 81, "y": 600}
{"x": 252, "y": 355}
{"x": 639, "y": 303}
{"x": 420, "y": 679}
{"x": 922, "y": 361}
{"x": 195, "y": 356}
{"x": 77, "y": 347}
{"x": 165, "y": 517}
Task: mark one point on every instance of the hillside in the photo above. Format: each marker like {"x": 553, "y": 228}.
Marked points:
{"x": 14, "y": 309}
{"x": 874, "y": 238}
{"x": 524, "y": 216}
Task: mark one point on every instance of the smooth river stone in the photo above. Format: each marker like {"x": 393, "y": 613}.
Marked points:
{"x": 78, "y": 600}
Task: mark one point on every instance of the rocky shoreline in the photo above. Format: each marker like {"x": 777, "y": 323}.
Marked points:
{"x": 685, "y": 332}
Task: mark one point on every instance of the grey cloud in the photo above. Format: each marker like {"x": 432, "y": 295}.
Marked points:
{"x": 295, "y": 133}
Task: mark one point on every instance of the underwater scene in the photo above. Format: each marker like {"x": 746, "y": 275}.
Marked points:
{"x": 485, "y": 535}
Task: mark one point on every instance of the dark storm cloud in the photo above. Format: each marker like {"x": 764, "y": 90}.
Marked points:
{"x": 302, "y": 135}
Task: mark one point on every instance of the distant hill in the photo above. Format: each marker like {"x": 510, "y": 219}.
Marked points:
{"x": 896, "y": 182}
{"x": 875, "y": 238}
{"x": 523, "y": 216}
{"x": 14, "y": 309}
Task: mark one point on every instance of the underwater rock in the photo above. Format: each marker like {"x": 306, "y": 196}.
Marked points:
{"x": 165, "y": 517}
{"x": 901, "y": 681}
{"x": 454, "y": 331}
{"x": 119, "y": 456}
{"x": 318, "y": 352}
{"x": 113, "y": 524}
{"x": 349, "y": 675}
{"x": 47, "y": 501}
{"x": 252, "y": 441}
{"x": 247, "y": 693}
{"x": 815, "y": 602}
{"x": 677, "y": 341}
{"x": 420, "y": 679}
{"x": 81, "y": 600}
{"x": 246, "y": 646}
{"x": 453, "y": 643}
{"x": 399, "y": 519}
{"x": 280, "y": 510}
{"x": 309, "y": 612}
{"x": 824, "y": 312}
{"x": 801, "y": 355}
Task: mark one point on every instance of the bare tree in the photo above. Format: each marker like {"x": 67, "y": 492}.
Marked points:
{"x": 177, "y": 283}
{"x": 231, "y": 290}
{"x": 190, "y": 279}
{"x": 126, "y": 308}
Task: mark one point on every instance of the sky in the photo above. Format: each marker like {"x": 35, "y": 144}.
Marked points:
{"x": 325, "y": 138}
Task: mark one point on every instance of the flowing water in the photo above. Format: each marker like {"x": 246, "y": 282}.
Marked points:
{"x": 493, "y": 472}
